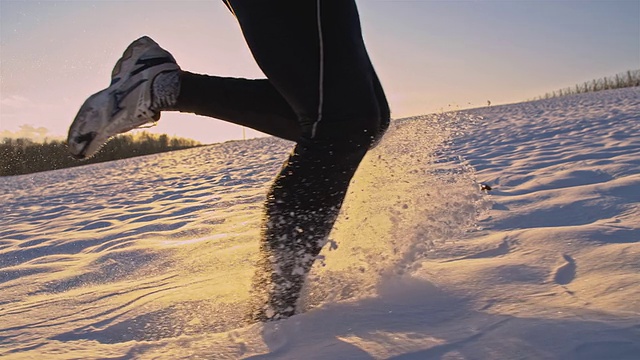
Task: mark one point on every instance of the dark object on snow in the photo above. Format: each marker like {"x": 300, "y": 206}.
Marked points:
{"x": 485, "y": 187}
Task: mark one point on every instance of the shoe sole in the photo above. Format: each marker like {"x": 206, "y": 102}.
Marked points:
{"x": 83, "y": 144}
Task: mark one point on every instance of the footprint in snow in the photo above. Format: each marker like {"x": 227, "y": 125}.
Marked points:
{"x": 566, "y": 272}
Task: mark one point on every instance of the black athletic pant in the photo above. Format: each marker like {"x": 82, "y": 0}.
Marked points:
{"x": 322, "y": 92}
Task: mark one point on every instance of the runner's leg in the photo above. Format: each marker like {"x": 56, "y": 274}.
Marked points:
{"x": 313, "y": 54}
{"x": 252, "y": 103}
{"x": 259, "y": 105}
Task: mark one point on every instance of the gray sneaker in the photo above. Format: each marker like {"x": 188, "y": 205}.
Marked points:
{"x": 126, "y": 104}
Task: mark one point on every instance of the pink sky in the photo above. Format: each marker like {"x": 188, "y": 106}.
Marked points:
{"x": 429, "y": 55}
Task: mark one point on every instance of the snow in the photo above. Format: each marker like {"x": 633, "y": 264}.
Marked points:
{"x": 151, "y": 257}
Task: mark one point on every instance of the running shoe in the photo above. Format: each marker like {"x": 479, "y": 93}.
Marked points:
{"x": 126, "y": 104}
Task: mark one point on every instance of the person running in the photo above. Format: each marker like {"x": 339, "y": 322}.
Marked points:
{"x": 320, "y": 91}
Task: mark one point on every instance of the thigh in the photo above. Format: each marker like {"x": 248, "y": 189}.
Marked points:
{"x": 313, "y": 53}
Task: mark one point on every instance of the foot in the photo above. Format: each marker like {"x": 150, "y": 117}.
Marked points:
{"x": 126, "y": 104}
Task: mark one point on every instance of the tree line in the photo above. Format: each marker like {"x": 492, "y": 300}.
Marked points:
{"x": 626, "y": 79}
{"x": 24, "y": 156}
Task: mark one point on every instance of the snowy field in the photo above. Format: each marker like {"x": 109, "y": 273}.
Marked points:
{"x": 151, "y": 257}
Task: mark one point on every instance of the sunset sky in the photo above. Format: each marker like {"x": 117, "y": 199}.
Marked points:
{"x": 430, "y": 55}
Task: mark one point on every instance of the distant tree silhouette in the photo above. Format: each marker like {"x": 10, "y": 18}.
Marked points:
{"x": 24, "y": 156}
{"x": 630, "y": 78}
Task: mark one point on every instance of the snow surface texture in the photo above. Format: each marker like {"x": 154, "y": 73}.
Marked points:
{"x": 151, "y": 257}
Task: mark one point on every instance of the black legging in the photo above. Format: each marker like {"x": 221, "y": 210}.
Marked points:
{"x": 322, "y": 92}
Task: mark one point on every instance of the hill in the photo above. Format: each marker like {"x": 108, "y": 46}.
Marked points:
{"x": 151, "y": 257}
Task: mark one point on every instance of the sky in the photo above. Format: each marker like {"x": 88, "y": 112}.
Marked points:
{"x": 430, "y": 55}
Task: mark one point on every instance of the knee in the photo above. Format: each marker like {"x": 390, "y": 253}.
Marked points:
{"x": 349, "y": 134}
{"x": 379, "y": 133}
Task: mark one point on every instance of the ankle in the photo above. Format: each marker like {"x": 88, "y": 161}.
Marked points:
{"x": 165, "y": 90}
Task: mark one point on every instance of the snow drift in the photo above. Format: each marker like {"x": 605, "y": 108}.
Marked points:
{"x": 152, "y": 257}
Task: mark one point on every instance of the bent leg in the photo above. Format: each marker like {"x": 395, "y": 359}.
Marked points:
{"x": 294, "y": 43}
{"x": 313, "y": 53}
